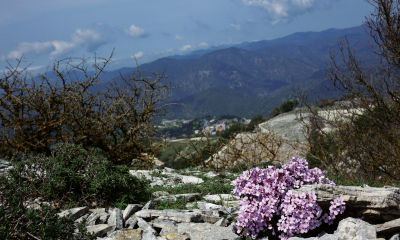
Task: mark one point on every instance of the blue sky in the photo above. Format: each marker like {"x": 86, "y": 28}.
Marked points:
{"x": 48, "y": 30}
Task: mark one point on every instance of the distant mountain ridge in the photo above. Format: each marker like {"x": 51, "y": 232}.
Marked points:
{"x": 260, "y": 74}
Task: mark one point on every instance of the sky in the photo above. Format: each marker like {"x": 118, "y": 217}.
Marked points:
{"x": 43, "y": 31}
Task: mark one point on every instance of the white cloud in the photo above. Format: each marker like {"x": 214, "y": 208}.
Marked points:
{"x": 237, "y": 26}
{"x": 275, "y": 22}
{"x": 203, "y": 44}
{"x": 35, "y": 68}
{"x": 25, "y": 48}
{"x": 185, "y": 48}
{"x": 84, "y": 35}
{"x": 178, "y": 37}
{"x": 286, "y": 10}
{"x": 134, "y": 31}
{"x": 138, "y": 55}
{"x": 88, "y": 38}
{"x": 61, "y": 47}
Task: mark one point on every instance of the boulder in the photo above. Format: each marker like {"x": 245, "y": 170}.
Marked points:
{"x": 356, "y": 229}
{"x": 376, "y": 205}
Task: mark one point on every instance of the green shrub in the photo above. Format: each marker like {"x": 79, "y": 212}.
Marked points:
{"x": 255, "y": 121}
{"x": 275, "y": 112}
{"x": 230, "y": 132}
{"x": 288, "y": 106}
{"x": 74, "y": 175}
{"x": 17, "y": 222}
{"x": 72, "y": 179}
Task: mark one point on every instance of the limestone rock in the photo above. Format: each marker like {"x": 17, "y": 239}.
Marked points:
{"x": 73, "y": 213}
{"x": 375, "y": 204}
{"x": 205, "y": 231}
{"x": 115, "y": 218}
{"x": 131, "y": 209}
{"x": 388, "y": 227}
{"x": 356, "y": 229}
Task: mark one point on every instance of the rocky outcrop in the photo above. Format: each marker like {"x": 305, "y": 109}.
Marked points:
{"x": 137, "y": 222}
{"x": 284, "y": 127}
{"x": 376, "y": 205}
{"x": 202, "y": 219}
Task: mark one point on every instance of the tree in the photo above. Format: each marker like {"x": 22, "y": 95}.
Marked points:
{"x": 231, "y": 131}
{"x": 363, "y": 131}
{"x": 120, "y": 126}
{"x": 275, "y": 112}
{"x": 255, "y": 121}
{"x": 288, "y": 106}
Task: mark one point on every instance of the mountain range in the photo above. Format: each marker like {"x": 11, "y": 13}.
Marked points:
{"x": 246, "y": 79}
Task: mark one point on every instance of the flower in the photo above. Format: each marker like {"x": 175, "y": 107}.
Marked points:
{"x": 266, "y": 193}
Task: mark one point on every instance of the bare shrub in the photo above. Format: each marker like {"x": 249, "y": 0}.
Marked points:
{"x": 361, "y": 132}
{"x": 118, "y": 126}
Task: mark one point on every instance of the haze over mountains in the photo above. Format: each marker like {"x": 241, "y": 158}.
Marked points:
{"x": 247, "y": 79}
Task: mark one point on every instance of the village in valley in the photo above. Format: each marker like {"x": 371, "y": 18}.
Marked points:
{"x": 198, "y": 127}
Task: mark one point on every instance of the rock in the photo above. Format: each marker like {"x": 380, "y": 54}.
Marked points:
{"x": 103, "y": 216}
{"x": 148, "y": 235}
{"x": 174, "y": 198}
{"x": 395, "y": 237}
{"x": 207, "y": 223}
{"x": 328, "y": 237}
{"x": 131, "y": 209}
{"x": 218, "y": 197}
{"x": 149, "y": 205}
{"x": 221, "y": 222}
{"x": 388, "y": 227}
{"x": 131, "y": 222}
{"x": 98, "y": 230}
{"x": 159, "y": 193}
{"x": 211, "y": 174}
{"x": 127, "y": 234}
{"x": 167, "y": 230}
{"x": 73, "y": 213}
{"x": 190, "y": 179}
{"x": 143, "y": 224}
{"x": 177, "y": 237}
{"x": 356, "y": 229}
{"x": 115, "y": 220}
{"x": 35, "y": 204}
{"x": 206, "y": 231}
{"x": 298, "y": 238}
{"x": 376, "y": 205}
{"x": 92, "y": 219}
{"x": 80, "y": 220}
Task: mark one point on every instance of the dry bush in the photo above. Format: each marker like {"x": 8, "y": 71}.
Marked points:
{"x": 359, "y": 135}
{"x": 119, "y": 126}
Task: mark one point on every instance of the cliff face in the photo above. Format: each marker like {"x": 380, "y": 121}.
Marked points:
{"x": 287, "y": 126}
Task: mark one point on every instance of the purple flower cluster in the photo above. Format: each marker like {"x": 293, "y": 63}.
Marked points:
{"x": 265, "y": 193}
{"x": 337, "y": 206}
{"x": 299, "y": 214}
